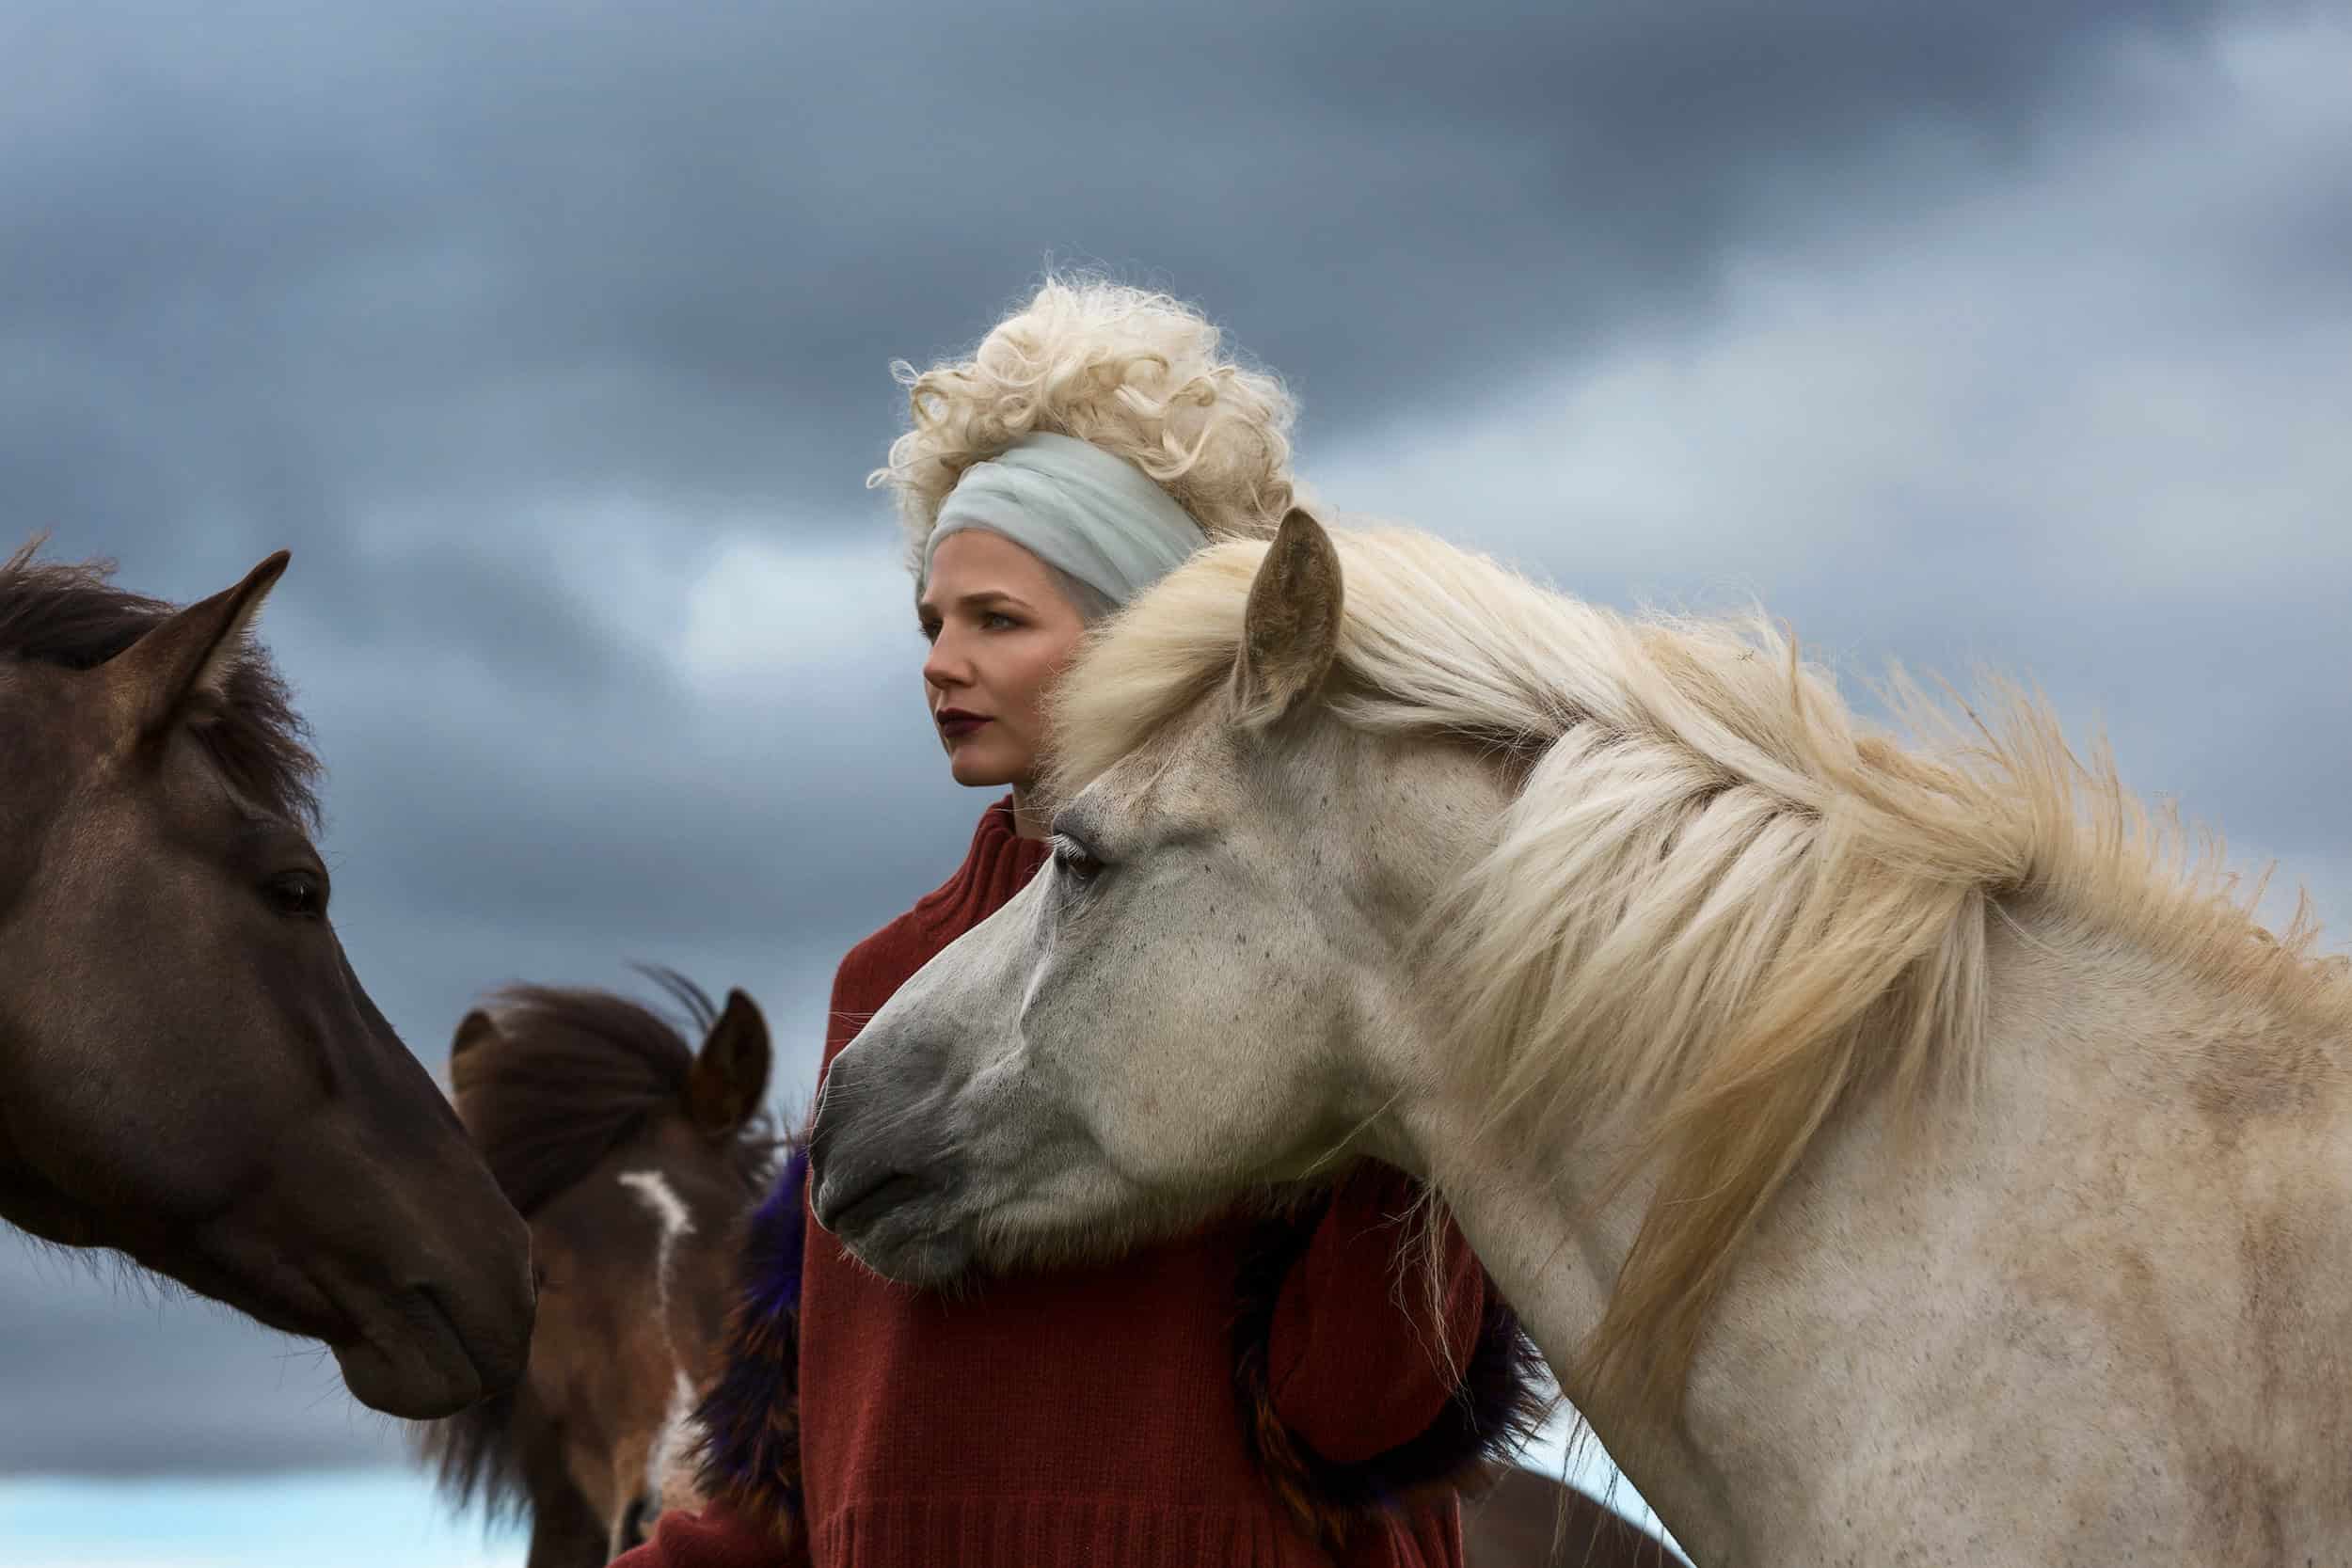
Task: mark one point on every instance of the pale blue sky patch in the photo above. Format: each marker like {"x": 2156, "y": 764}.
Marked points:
{"x": 1568, "y": 1452}
{"x": 357, "y": 1519}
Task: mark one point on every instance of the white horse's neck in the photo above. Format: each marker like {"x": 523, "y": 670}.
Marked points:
{"x": 2103, "y": 1317}
{"x": 1554, "y": 1264}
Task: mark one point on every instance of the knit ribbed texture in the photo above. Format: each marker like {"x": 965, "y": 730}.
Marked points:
{"x": 1026, "y": 1532}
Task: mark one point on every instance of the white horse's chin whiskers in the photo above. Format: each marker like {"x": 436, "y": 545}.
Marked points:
{"x": 921, "y": 1241}
{"x": 925, "y": 1260}
{"x": 1085, "y": 1218}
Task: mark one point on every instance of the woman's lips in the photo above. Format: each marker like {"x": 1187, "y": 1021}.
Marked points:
{"x": 955, "y": 724}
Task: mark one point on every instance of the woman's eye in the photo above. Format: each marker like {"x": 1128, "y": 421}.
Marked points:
{"x": 998, "y": 621}
{"x": 299, "y": 894}
{"x": 930, "y": 630}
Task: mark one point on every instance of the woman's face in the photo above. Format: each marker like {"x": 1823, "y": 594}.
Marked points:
{"x": 1000, "y": 631}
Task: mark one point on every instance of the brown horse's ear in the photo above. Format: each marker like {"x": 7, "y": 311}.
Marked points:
{"x": 1291, "y": 630}
{"x": 191, "y": 654}
{"x": 472, "y": 1030}
{"x": 730, "y": 1072}
{"x": 476, "y": 1029}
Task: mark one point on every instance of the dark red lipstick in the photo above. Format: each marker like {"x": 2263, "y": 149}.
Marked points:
{"x": 955, "y": 724}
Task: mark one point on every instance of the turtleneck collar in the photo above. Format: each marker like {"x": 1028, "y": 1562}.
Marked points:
{"x": 999, "y": 865}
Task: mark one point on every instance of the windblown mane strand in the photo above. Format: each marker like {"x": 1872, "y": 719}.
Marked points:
{"x": 1718, "y": 905}
{"x": 72, "y": 616}
{"x": 484, "y": 1455}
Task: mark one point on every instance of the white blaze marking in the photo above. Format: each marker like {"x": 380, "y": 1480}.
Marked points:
{"x": 672, "y": 1444}
{"x": 653, "y": 1191}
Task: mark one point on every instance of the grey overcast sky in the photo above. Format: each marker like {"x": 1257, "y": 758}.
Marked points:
{"x": 552, "y": 339}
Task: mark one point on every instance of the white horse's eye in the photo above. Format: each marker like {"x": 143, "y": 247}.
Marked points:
{"x": 1073, "y": 858}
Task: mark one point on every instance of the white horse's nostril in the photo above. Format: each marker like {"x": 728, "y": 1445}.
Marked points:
{"x": 860, "y": 1195}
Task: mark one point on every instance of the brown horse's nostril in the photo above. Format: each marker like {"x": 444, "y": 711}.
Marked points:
{"x": 637, "y": 1524}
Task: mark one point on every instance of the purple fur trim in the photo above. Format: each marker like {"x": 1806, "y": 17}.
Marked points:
{"x": 779, "y": 1234}
{"x": 750, "y": 1418}
{"x": 1495, "y": 1408}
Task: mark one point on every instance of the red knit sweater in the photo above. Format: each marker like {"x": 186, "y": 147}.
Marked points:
{"x": 1088, "y": 1416}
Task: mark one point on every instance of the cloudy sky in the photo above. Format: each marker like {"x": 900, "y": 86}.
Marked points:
{"x": 552, "y": 339}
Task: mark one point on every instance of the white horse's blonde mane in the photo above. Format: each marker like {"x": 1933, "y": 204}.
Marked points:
{"x": 1719, "y": 903}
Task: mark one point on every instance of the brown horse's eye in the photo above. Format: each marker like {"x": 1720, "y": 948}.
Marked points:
{"x": 299, "y": 894}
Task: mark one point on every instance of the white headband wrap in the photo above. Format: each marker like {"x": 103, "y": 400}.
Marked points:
{"x": 1077, "y": 508}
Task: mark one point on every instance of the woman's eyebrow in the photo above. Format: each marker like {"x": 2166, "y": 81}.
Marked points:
{"x": 985, "y": 598}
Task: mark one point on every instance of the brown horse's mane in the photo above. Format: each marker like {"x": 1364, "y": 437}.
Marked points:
{"x": 571, "y": 1074}
{"x": 72, "y": 616}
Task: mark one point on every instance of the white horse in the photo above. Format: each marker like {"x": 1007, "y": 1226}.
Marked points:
{"x": 1902, "y": 1155}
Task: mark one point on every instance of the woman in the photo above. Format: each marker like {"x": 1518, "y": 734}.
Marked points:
{"x": 1261, "y": 1393}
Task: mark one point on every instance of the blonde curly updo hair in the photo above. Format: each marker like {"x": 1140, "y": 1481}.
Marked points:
{"x": 1137, "y": 373}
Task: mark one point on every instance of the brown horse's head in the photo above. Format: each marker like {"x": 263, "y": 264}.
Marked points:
{"x": 633, "y": 1155}
{"x": 189, "y": 1070}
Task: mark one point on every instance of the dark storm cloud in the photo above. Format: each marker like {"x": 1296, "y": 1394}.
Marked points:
{"x": 2078, "y": 423}
{"x": 401, "y": 286}
{"x": 503, "y": 317}
{"x": 435, "y": 251}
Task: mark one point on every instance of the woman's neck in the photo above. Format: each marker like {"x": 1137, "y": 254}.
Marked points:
{"x": 1028, "y": 811}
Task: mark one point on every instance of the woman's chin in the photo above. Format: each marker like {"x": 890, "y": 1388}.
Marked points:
{"x": 975, "y": 768}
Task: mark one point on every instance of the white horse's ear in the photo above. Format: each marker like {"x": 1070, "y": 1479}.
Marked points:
{"x": 1291, "y": 631}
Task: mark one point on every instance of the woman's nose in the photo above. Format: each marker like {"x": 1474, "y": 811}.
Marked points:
{"x": 947, "y": 665}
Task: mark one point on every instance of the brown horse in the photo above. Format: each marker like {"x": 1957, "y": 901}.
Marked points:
{"x": 633, "y": 1155}
{"x": 190, "y": 1073}
{"x": 1522, "y": 1518}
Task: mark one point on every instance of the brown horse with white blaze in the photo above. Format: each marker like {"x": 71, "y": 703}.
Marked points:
{"x": 633, "y": 1155}
{"x": 190, "y": 1073}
